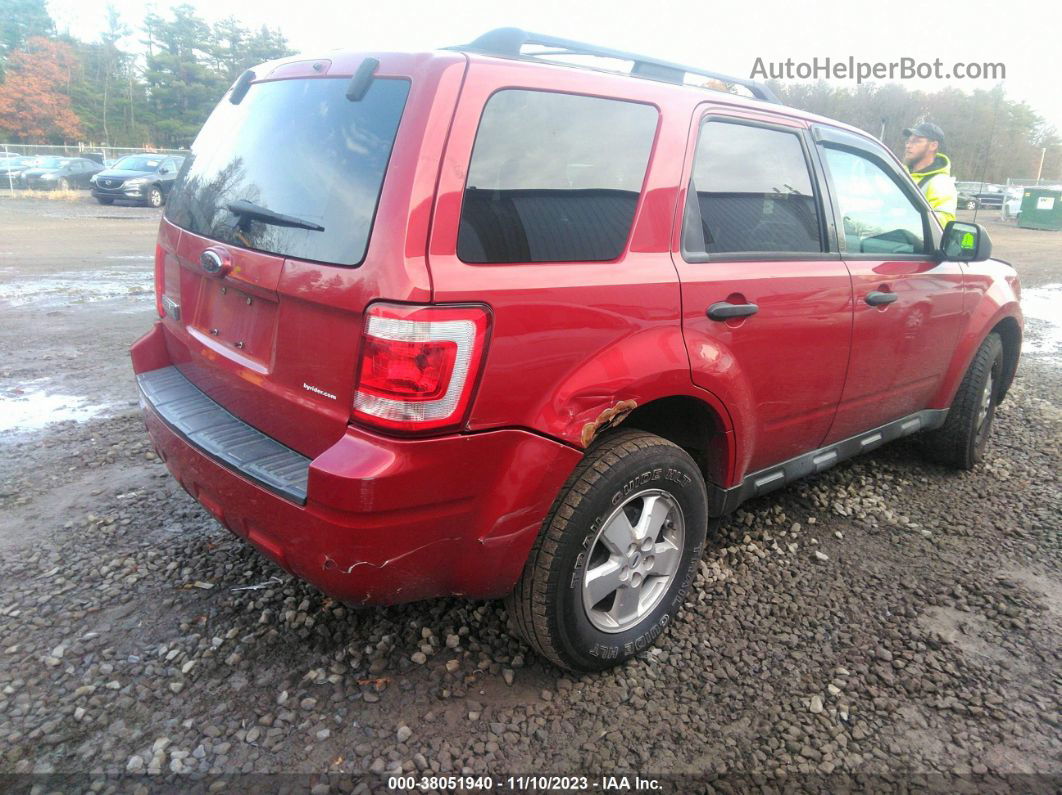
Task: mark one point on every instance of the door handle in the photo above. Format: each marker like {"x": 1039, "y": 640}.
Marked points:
{"x": 878, "y": 298}
{"x": 724, "y": 310}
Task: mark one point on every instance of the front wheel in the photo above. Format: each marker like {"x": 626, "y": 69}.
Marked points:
{"x": 615, "y": 557}
{"x": 64, "y": 184}
{"x": 154, "y": 197}
{"x": 102, "y": 200}
{"x": 961, "y": 441}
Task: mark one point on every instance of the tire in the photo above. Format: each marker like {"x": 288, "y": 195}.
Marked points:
{"x": 102, "y": 200}
{"x": 64, "y": 184}
{"x": 154, "y": 197}
{"x": 960, "y": 443}
{"x": 629, "y": 476}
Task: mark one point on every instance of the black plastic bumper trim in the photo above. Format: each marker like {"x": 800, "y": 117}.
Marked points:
{"x": 224, "y": 437}
{"x": 723, "y": 501}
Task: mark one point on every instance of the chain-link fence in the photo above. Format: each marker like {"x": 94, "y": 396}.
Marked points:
{"x": 104, "y": 153}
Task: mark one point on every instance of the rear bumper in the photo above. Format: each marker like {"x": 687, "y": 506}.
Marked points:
{"x": 384, "y": 520}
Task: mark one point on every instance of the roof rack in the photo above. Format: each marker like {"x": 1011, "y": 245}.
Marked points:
{"x": 508, "y": 42}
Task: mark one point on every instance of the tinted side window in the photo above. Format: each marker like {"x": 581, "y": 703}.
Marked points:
{"x": 554, "y": 178}
{"x": 878, "y": 216}
{"x": 753, "y": 193}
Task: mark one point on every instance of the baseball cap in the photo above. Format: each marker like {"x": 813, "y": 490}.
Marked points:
{"x": 926, "y": 129}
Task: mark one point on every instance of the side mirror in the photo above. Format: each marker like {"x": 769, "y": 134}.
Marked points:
{"x": 965, "y": 242}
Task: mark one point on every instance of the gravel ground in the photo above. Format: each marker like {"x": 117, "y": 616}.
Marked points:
{"x": 885, "y": 620}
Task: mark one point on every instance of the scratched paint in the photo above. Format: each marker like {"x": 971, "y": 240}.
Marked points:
{"x": 609, "y": 418}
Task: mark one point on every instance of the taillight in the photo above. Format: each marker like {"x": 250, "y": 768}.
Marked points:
{"x": 419, "y": 365}
{"x": 160, "y": 279}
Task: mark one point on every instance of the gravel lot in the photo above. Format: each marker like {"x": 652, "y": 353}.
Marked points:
{"x": 887, "y": 619}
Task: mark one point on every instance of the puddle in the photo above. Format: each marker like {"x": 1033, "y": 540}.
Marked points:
{"x": 32, "y": 407}
{"x": 79, "y": 287}
{"x": 1042, "y": 307}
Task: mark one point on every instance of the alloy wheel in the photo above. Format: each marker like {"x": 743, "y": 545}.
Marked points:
{"x": 633, "y": 560}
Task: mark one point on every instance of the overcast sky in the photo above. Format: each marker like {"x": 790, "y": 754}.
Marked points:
{"x": 725, "y": 37}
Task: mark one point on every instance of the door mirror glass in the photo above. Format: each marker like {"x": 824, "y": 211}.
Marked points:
{"x": 965, "y": 242}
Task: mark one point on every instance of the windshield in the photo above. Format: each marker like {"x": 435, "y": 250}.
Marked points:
{"x": 138, "y": 163}
{"x": 299, "y": 148}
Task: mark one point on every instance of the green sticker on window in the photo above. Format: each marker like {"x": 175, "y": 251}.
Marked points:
{"x": 967, "y": 240}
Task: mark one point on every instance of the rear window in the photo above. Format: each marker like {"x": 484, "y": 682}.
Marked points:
{"x": 554, "y": 178}
{"x": 299, "y": 148}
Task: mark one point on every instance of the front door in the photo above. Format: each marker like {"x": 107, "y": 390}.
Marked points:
{"x": 908, "y": 304}
{"x": 767, "y": 307}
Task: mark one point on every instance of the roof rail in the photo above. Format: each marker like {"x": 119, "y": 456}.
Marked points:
{"x": 508, "y": 42}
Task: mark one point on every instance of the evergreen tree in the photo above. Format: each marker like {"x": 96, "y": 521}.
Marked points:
{"x": 21, "y": 20}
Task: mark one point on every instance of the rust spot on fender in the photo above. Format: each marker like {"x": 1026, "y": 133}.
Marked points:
{"x": 609, "y": 418}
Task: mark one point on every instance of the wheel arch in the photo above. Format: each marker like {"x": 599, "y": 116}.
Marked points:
{"x": 691, "y": 424}
{"x": 998, "y": 311}
{"x": 1010, "y": 333}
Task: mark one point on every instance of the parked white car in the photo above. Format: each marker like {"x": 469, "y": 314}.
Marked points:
{"x": 1012, "y": 203}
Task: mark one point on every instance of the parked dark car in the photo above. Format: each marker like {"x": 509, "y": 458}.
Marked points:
{"x": 62, "y": 173}
{"x": 145, "y": 179}
{"x": 11, "y": 168}
{"x": 980, "y": 194}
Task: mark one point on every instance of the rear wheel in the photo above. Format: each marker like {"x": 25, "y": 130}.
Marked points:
{"x": 616, "y": 554}
{"x": 961, "y": 441}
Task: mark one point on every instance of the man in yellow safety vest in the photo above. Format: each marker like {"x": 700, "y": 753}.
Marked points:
{"x": 930, "y": 169}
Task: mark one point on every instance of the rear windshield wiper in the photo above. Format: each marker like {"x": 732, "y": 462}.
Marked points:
{"x": 248, "y": 211}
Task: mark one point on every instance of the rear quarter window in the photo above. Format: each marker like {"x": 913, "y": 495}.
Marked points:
{"x": 554, "y": 178}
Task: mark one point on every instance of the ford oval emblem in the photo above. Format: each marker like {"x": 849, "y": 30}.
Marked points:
{"x": 211, "y": 262}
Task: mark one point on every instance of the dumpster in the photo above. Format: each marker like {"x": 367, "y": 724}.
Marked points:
{"x": 1041, "y": 208}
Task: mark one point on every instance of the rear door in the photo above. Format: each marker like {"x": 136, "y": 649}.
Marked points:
{"x": 908, "y": 304}
{"x": 767, "y": 306}
{"x": 266, "y": 316}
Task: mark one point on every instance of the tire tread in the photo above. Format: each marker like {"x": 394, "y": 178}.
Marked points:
{"x": 951, "y": 444}
{"x": 527, "y": 605}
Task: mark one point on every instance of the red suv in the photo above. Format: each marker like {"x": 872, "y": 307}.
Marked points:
{"x": 477, "y": 323}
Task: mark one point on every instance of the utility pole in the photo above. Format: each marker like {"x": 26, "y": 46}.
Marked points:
{"x": 1040, "y": 170}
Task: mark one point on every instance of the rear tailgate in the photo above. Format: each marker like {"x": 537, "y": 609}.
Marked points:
{"x": 265, "y": 318}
